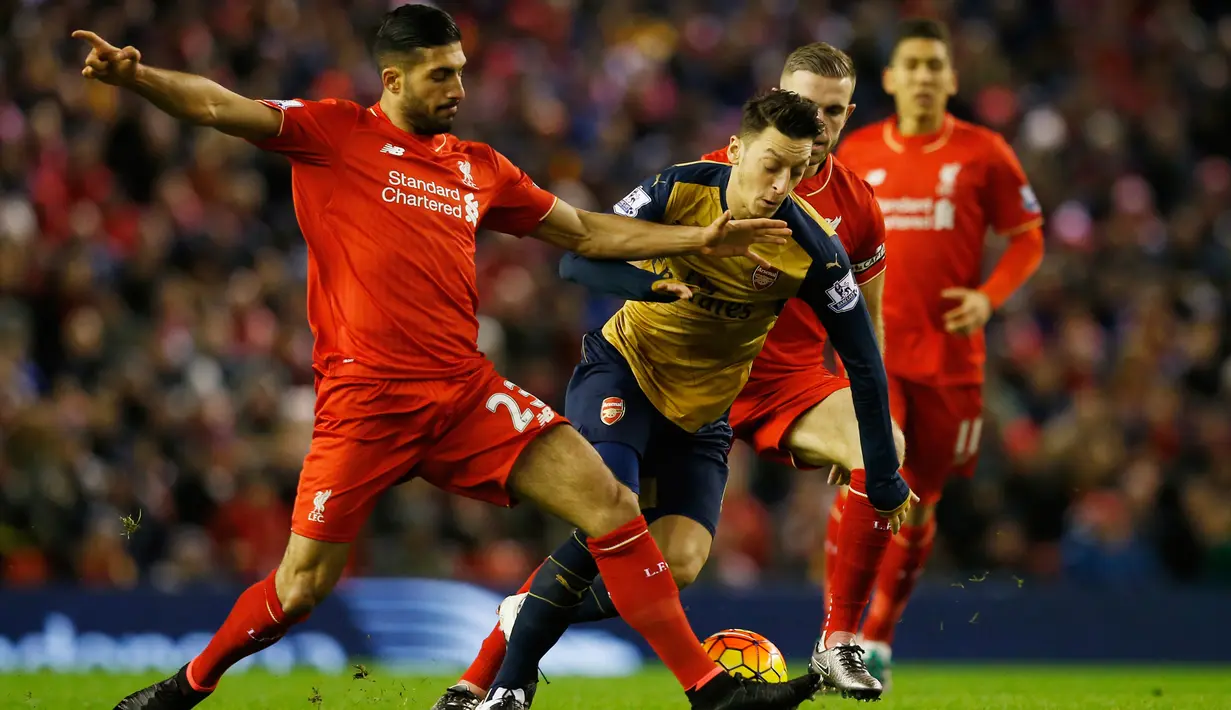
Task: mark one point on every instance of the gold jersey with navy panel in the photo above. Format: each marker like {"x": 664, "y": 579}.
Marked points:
{"x": 691, "y": 358}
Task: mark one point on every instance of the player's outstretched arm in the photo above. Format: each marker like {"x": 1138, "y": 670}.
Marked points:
{"x": 622, "y": 280}
{"x": 610, "y": 236}
{"x": 833, "y": 295}
{"x": 187, "y": 97}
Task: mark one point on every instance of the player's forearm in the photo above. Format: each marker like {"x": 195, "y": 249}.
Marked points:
{"x": 1015, "y": 267}
{"x": 198, "y": 100}
{"x": 609, "y": 236}
{"x": 870, "y": 396}
{"x": 873, "y": 291}
{"x": 850, "y": 330}
{"x": 187, "y": 97}
{"x": 615, "y": 278}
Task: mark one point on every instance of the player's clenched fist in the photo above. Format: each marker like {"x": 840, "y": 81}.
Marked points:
{"x": 887, "y": 500}
{"x": 108, "y": 63}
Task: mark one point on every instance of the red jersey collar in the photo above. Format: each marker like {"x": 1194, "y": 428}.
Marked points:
{"x": 927, "y": 143}
{"x": 434, "y": 142}
{"x": 818, "y": 182}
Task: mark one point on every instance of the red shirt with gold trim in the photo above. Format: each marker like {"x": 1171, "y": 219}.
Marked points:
{"x": 940, "y": 195}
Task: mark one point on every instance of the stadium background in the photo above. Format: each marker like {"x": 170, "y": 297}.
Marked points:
{"x": 155, "y": 357}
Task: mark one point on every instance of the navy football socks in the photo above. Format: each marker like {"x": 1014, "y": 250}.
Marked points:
{"x": 560, "y": 591}
{"x": 596, "y": 605}
{"x": 556, "y": 592}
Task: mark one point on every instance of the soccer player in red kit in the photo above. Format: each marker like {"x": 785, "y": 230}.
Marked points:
{"x": 389, "y": 203}
{"x": 942, "y": 185}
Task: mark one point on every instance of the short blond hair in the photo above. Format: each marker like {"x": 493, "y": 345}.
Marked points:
{"x": 822, "y": 59}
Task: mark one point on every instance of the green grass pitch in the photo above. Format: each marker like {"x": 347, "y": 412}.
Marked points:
{"x": 939, "y": 687}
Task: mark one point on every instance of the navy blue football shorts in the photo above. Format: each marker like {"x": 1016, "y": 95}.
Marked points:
{"x": 681, "y": 473}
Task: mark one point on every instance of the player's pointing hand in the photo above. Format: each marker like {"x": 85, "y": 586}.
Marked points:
{"x": 108, "y": 63}
{"x": 727, "y": 237}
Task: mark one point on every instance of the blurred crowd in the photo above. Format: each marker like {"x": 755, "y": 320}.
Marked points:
{"x": 155, "y": 359}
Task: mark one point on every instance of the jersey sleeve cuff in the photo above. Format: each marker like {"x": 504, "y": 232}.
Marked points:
{"x": 281, "y": 114}
{"x": 552, "y": 206}
{"x": 864, "y": 277}
{"x": 1023, "y": 227}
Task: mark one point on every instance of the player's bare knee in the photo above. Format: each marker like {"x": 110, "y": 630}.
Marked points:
{"x": 685, "y": 544}
{"x": 686, "y": 558}
{"x": 299, "y": 592}
{"x": 828, "y": 434}
{"x": 614, "y": 505}
{"x": 308, "y": 573}
{"x": 899, "y": 441}
{"x": 686, "y": 568}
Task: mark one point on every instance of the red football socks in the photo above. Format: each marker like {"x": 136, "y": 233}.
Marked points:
{"x": 486, "y": 665}
{"x": 256, "y": 622}
{"x": 862, "y": 538}
{"x": 896, "y": 580}
{"x": 645, "y": 594}
{"x": 831, "y": 545}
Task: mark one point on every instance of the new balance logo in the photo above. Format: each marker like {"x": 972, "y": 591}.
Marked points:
{"x": 392, "y": 149}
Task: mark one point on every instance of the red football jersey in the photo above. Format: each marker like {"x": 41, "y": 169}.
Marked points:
{"x": 797, "y": 339}
{"x": 940, "y": 195}
{"x": 390, "y": 220}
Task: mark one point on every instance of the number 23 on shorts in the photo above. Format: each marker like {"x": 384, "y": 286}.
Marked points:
{"x": 521, "y": 417}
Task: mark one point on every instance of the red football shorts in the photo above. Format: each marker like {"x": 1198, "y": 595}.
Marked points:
{"x": 462, "y": 436}
{"x": 943, "y": 427}
{"x": 770, "y": 403}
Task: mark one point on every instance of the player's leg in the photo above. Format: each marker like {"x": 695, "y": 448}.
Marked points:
{"x": 306, "y": 575}
{"x": 681, "y": 497}
{"x": 260, "y": 617}
{"x": 479, "y": 675}
{"x": 685, "y": 545}
{"x": 534, "y": 622}
{"x": 833, "y": 528}
{"x": 352, "y": 459}
{"x": 943, "y": 434}
{"x": 685, "y": 480}
{"x": 808, "y": 419}
{"x": 557, "y": 469}
{"x": 584, "y": 493}
{"x": 607, "y": 406}
{"x": 827, "y": 434}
